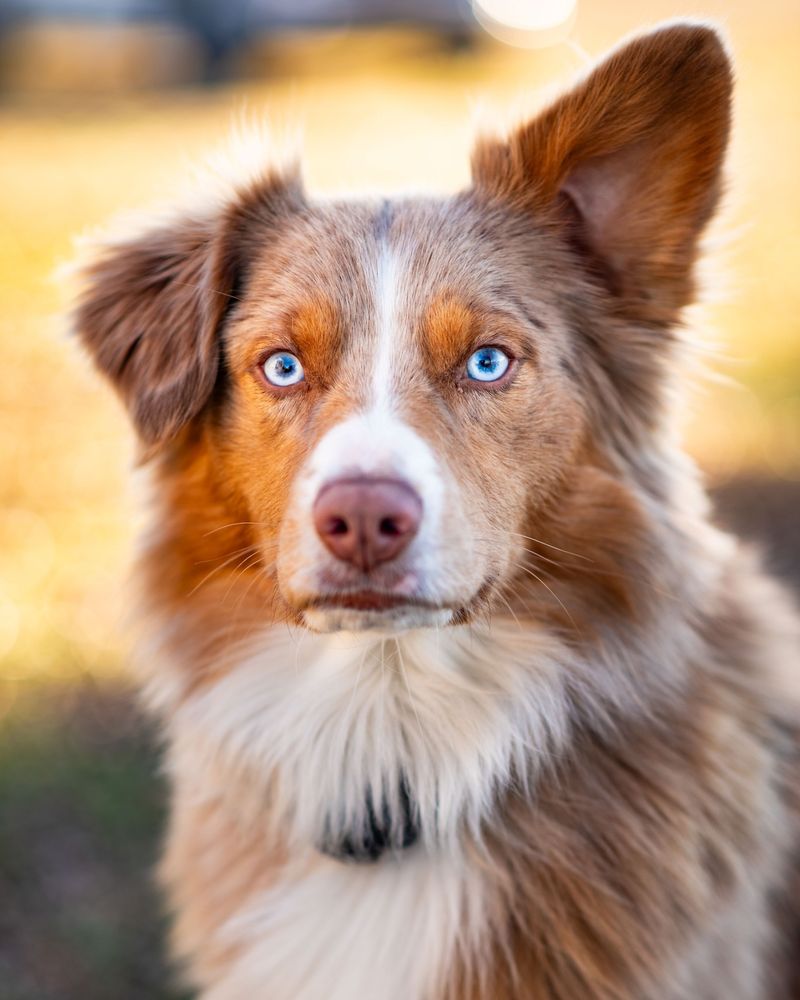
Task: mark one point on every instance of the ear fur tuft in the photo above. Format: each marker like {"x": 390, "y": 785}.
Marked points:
{"x": 629, "y": 161}
{"x": 152, "y": 307}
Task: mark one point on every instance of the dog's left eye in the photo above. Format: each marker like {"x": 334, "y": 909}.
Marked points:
{"x": 282, "y": 369}
{"x": 488, "y": 364}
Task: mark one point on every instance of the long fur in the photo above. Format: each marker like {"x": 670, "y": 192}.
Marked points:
{"x": 567, "y": 766}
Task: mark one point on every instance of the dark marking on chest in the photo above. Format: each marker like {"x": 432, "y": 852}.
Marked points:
{"x": 382, "y": 832}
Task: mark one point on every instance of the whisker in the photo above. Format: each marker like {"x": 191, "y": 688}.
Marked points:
{"x": 203, "y": 288}
{"x": 411, "y": 700}
{"x": 239, "y": 572}
{"x": 511, "y": 610}
{"x": 538, "y": 555}
{"x": 594, "y": 569}
{"x": 549, "y": 545}
{"x": 297, "y": 643}
{"x": 217, "y": 569}
{"x": 526, "y": 569}
{"x": 637, "y": 578}
{"x": 235, "y": 524}
{"x": 355, "y": 686}
{"x": 525, "y": 600}
{"x": 233, "y": 627}
{"x": 231, "y": 555}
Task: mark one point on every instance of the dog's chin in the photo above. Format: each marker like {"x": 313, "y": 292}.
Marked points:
{"x": 400, "y": 618}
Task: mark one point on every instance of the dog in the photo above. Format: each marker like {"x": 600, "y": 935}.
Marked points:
{"x": 464, "y": 696}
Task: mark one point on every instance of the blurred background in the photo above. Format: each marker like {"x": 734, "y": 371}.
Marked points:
{"x": 104, "y": 106}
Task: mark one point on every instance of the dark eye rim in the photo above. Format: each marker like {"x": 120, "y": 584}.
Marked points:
{"x": 279, "y": 390}
{"x": 465, "y": 382}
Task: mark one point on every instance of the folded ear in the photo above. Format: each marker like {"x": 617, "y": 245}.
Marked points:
{"x": 152, "y": 308}
{"x": 629, "y": 163}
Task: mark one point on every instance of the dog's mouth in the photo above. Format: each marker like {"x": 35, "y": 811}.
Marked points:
{"x": 369, "y": 600}
{"x": 368, "y": 609}
{"x": 365, "y": 609}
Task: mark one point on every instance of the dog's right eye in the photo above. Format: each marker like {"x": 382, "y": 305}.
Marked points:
{"x": 283, "y": 369}
{"x": 488, "y": 364}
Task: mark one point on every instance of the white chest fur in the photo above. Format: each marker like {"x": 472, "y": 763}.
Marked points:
{"x": 314, "y": 725}
{"x": 303, "y": 729}
{"x": 321, "y": 725}
{"x": 334, "y": 931}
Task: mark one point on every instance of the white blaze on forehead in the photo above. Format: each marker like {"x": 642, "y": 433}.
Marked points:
{"x": 376, "y": 440}
{"x": 388, "y": 333}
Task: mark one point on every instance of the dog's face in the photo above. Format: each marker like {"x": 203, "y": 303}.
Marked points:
{"x": 394, "y": 404}
{"x": 392, "y": 396}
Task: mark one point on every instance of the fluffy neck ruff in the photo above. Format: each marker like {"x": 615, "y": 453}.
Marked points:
{"x": 360, "y": 744}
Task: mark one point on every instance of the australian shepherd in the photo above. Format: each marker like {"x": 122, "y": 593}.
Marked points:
{"x": 464, "y": 697}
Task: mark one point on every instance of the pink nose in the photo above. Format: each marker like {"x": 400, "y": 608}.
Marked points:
{"x": 366, "y": 521}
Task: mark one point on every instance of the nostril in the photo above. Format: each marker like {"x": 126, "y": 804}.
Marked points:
{"x": 389, "y": 526}
{"x": 337, "y": 526}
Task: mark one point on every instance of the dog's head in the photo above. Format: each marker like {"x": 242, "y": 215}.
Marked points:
{"x": 387, "y": 398}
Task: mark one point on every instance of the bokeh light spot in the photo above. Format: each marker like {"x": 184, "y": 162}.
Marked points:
{"x": 527, "y": 23}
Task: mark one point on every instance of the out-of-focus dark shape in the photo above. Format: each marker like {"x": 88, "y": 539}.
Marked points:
{"x": 156, "y": 42}
{"x": 764, "y": 510}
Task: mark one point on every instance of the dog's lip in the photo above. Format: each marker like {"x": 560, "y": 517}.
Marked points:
{"x": 368, "y": 600}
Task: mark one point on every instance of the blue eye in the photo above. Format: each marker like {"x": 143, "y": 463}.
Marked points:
{"x": 282, "y": 369}
{"x": 488, "y": 364}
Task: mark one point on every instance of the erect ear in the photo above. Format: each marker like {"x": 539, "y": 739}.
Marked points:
{"x": 629, "y": 162}
{"x": 151, "y": 310}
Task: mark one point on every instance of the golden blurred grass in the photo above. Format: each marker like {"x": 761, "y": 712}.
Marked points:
{"x": 376, "y": 112}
